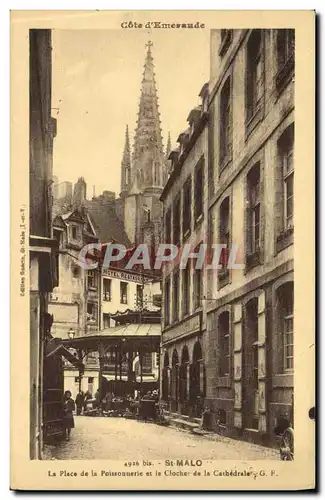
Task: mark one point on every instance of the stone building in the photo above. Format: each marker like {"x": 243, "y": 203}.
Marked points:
{"x": 42, "y": 245}
{"x": 250, "y": 176}
{"x": 184, "y": 197}
{"x": 234, "y": 333}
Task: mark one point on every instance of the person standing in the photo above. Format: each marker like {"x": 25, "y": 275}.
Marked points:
{"x": 68, "y": 409}
{"x": 80, "y": 399}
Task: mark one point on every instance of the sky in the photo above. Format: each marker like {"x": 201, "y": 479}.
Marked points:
{"x": 96, "y": 79}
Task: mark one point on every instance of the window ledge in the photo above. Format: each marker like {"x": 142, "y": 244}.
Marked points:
{"x": 253, "y": 259}
{"x": 199, "y": 219}
{"x": 186, "y": 234}
{"x": 253, "y": 121}
{"x": 223, "y": 277}
{"x": 92, "y": 288}
{"x": 225, "y": 162}
{"x": 284, "y": 239}
{"x": 285, "y": 74}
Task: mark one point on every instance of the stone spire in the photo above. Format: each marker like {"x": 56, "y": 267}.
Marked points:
{"x": 148, "y": 157}
{"x": 126, "y": 164}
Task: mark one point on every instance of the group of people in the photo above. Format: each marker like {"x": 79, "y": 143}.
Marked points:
{"x": 69, "y": 406}
{"x": 84, "y": 398}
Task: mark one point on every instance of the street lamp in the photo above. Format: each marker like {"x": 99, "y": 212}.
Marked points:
{"x": 71, "y": 334}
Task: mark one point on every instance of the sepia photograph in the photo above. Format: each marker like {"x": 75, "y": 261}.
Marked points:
{"x": 158, "y": 248}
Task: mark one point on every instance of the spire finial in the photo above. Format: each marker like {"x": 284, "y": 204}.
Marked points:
{"x": 149, "y": 44}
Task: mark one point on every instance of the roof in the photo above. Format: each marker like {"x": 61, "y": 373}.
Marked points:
{"x": 130, "y": 336}
{"x": 131, "y": 330}
{"x": 106, "y": 223}
{"x": 55, "y": 348}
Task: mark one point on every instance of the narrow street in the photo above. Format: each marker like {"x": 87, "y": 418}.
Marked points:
{"x": 123, "y": 439}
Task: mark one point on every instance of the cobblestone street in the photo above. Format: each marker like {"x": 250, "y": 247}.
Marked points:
{"x": 123, "y": 439}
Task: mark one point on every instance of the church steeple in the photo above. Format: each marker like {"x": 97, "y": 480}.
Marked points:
{"x": 148, "y": 158}
{"x": 126, "y": 164}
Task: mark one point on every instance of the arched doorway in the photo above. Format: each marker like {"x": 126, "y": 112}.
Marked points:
{"x": 165, "y": 380}
{"x": 174, "y": 384}
{"x": 197, "y": 382}
{"x": 184, "y": 381}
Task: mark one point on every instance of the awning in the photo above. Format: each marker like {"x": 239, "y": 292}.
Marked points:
{"x": 55, "y": 348}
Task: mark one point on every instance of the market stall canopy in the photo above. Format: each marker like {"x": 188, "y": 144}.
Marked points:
{"x": 130, "y": 336}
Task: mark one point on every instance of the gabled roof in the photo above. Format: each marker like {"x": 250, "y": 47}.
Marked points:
{"x": 106, "y": 223}
{"x": 74, "y": 216}
{"x": 58, "y": 222}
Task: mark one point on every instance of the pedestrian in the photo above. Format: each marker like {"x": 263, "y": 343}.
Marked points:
{"x": 68, "y": 409}
{"x": 80, "y": 399}
{"x": 97, "y": 397}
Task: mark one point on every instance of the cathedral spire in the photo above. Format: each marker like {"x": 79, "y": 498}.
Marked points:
{"x": 126, "y": 163}
{"x": 147, "y": 160}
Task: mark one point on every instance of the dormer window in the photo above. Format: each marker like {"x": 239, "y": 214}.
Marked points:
{"x": 74, "y": 232}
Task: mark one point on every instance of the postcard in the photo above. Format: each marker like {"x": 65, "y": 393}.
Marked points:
{"x": 162, "y": 250}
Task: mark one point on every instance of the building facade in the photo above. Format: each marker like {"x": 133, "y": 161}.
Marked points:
{"x": 183, "y": 381}
{"x": 247, "y": 348}
{"x": 250, "y": 310}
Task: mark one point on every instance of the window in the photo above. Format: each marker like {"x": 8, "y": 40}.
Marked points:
{"x": 225, "y": 41}
{"x": 187, "y": 207}
{"x": 254, "y": 76}
{"x": 176, "y": 297}
{"x": 167, "y": 301}
{"x": 285, "y": 47}
{"x": 127, "y": 176}
{"x": 76, "y": 271}
{"x": 224, "y": 236}
{"x": 197, "y": 287}
{"x": 123, "y": 292}
{"x": 107, "y": 290}
{"x": 286, "y": 145}
{"x": 199, "y": 187}
{"x": 286, "y": 301}
{"x": 254, "y": 216}
{"x": 224, "y": 344}
{"x": 91, "y": 311}
{"x": 140, "y": 296}
{"x": 177, "y": 221}
{"x": 186, "y": 290}
{"x": 74, "y": 232}
{"x": 91, "y": 279}
{"x": 168, "y": 226}
{"x": 106, "y": 320}
{"x": 225, "y": 151}
{"x": 156, "y": 173}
